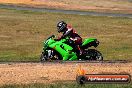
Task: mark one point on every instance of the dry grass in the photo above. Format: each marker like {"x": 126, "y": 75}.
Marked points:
{"x": 22, "y": 33}
{"x": 124, "y": 6}
{"x": 33, "y": 3}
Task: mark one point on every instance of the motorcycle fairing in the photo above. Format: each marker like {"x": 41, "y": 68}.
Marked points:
{"x": 90, "y": 42}
{"x": 64, "y": 49}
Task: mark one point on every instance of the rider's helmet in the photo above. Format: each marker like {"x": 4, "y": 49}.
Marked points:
{"x": 61, "y": 26}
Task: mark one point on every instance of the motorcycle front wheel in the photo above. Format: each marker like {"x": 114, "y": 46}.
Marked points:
{"x": 49, "y": 55}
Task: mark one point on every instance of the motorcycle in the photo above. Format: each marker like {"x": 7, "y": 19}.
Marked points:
{"x": 61, "y": 50}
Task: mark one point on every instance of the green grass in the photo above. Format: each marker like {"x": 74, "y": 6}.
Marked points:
{"x": 22, "y": 33}
{"x": 68, "y": 85}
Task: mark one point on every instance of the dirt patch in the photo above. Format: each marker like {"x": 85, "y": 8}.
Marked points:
{"x": 24, "y": 73}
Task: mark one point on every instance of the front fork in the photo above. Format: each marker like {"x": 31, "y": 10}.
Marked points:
{"x": 48, "y": 54}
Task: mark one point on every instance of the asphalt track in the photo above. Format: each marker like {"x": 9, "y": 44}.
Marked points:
{"x": 66, "y": 11}
{"x": 64, "y": 62}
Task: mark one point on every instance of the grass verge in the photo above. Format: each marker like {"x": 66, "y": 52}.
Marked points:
{"x": 22, "y": 33}
{"x": 68, "y": 85}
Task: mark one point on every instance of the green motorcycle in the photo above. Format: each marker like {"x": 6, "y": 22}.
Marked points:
{"x": 61, "y": 50}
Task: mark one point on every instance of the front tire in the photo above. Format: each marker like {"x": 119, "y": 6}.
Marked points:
{"x": 45, "y": 56}
{"x": 42, "y": 57}
{"x": 92, "y": 54}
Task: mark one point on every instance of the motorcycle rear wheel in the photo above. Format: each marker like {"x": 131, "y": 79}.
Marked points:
{"x": 93, "y": 54}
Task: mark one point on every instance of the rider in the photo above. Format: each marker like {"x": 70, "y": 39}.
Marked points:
{"x": 67, "y": 30}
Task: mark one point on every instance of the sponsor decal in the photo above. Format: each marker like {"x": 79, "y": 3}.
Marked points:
{"x": 82, "y": 77}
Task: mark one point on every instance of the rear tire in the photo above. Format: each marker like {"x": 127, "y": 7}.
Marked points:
{"x": 92, "y": 54}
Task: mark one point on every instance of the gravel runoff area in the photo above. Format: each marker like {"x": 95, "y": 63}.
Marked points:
{"x": 24, "y": 73}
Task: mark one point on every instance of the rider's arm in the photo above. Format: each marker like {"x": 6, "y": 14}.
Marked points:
{"x": 66, "y": 33}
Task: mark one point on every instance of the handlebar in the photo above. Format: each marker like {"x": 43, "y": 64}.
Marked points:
{"x": 52, "y": 36}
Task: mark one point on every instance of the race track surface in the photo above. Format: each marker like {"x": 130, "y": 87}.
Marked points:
{"x": 67, "y": 11}
{"x": 24, "y": 73}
